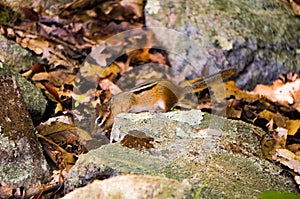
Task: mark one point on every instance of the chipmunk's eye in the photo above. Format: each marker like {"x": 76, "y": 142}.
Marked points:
{"x": 99, "y": 120}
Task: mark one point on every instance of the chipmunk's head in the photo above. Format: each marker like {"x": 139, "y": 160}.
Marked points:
{"x": 107, "y": 111}
{"x": 104, "y": 120}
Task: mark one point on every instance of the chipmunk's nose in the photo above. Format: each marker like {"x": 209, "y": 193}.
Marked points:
{"x": 100, "y": 134}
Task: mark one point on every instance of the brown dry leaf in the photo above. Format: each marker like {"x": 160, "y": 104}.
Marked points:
{"x": 114, "y": 69}
{"x": 68, "y": 160}
{"x": 280, "y": 137}
{"x": 46, "y": 76}
{"x": 36, "y": 45}
{"x": 85, "y": 98}
{"x": 41, "y": 76}
{"x": 46, "y": 30}
{"x": 50, "y": 89}
{"x": 58, "y": 155}
{"x": 295, "y": 148}
{"x": 252, "y": 104}
{"x": 52, "y": 94}
{"x": 75, "y": 4}
{"x": 67, "y": 119}
{"x": 64, "y": 77}
{"x": 58, "y": 176}
{"x": 288, "y": 159}
{"x": 83, "y": 135}
{"x": 142, "y": 56}
{"x": 233, "y": 109}
{"x": 268, "y": 148}
{"x": 121, "y": 10}
{"x": 264, "y": 90}
{"x": 57, "y": 58}
{"x": 92, "y": 73}
{"x": 98, "y": 55}
{"x": 292, "y": 126}
{"x": 106, "y": 84}
{"x": 6, "y": 190}
{"x": 277, "y": 118}
{"x": 59, "y": 108}
{"x": 36, "y": 68}
{"x": 285, "y": 93}
{"x": 54, "y": 127}
{"x": 48, "y": 128}
{"x": 135, "y": 5}
{"x": 296, "y": 96}
{"x": 295, "y": 6}
{"x": 277, "y": 142}
{"x": 124, "y": 67}
{"x": 158, "y": 58}
{"x": 232, "y": 90}
{"x": 137, "y": 140}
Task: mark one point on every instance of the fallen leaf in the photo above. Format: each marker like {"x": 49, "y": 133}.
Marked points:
{"x": 295, "y": 7}
{"x": 285, "y": 93}
{"x": 105, "y": 84}
{"x": 135, "y": 5}
{"x": 54, "y": 127}
{"x": 288, "y": 159}
{"x": 278, "y": 119}
{"x": 292, "y": 126}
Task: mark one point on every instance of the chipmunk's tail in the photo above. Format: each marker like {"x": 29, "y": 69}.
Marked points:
{"x": 200, "y": 83}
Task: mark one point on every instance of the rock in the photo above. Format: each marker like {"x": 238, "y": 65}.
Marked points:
{"x": 159, "y": 125}
{"x": 132, "y": 186}
{"x": 259, "y": 38}
{"x": 33, "y": 97}
{"x": 220, "y": 157}
{"x": 22, "y": 164}
{"x": 14, "y": 55}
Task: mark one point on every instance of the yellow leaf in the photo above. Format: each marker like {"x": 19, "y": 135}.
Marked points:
{"x": 292, "y": 126}
{"x": 279, "y": 119}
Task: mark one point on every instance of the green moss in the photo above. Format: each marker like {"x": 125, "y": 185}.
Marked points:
{"x": 7, "y": 14}
{"x": 32, "y": 96}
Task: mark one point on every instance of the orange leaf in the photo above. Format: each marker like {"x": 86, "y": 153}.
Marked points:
{"x": 51, "y": 90}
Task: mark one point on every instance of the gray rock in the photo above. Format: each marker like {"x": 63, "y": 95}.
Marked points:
{"x": 33, "y": 97}
{"x": 14, "y": 55}
{"x": 257, "y": 37}
{"x": 133, "y": 187}
{"x": 22, "y": 164}
{"x": 220, "y": 158}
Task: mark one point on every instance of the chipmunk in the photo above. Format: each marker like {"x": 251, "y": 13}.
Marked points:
{"x": 153, "y": 96}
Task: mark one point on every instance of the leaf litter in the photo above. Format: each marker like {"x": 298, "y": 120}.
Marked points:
{"x": 77, "y": 32}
